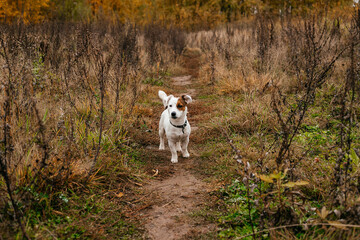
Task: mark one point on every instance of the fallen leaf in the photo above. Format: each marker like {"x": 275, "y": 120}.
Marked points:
{"x": 119, "y": 195}
{"x": 324, "y": 212}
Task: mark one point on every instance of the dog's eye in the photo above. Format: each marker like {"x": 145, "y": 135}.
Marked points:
{"x": 180, "y": 106}
{"x": 170, "y": 105}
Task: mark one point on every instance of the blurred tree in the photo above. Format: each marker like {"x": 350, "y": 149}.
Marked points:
{"x": 301, "y": 7}
{"x": 26, "y": 10}
{"x": 188, "y": 13}
{"x": 122, "y": 10}
{"x": 70, "y": 10}
{"x": 184, "y": 13}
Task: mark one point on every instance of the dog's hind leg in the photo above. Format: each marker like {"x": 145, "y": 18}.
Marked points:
{"x": 184, "y": 145}
{"x": 162, "y": 134}
{"x": 174, "y": 156}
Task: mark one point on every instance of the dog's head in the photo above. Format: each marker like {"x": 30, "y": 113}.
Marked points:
{"x": 177, "y": 106}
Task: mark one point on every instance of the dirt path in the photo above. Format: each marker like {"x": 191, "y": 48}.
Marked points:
{"x": 180, "y": 193}
{"x": 178, "y": 196}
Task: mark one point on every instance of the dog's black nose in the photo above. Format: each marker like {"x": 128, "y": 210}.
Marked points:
{"x": 173, "y": 114}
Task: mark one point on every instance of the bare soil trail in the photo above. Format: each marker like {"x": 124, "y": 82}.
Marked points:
{"x": 177, "y": 191}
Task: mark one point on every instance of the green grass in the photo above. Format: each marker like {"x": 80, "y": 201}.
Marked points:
{"x": 84, "y": 217}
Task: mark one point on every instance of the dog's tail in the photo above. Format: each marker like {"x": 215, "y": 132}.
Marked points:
{"x": 163, "y": 97}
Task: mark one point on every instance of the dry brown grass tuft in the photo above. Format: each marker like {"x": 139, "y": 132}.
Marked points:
{"x": 237, "y": 83}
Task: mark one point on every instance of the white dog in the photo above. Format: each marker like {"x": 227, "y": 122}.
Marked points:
{"x": 174, "y": 123}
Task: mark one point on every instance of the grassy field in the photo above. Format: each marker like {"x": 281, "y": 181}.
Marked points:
{"x": 277, "y": 112}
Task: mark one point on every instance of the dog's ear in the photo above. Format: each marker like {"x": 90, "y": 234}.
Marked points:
{"x": 168, "y": 99}
{"x": 187, "y": 98}
{"x": 163, "y": 97}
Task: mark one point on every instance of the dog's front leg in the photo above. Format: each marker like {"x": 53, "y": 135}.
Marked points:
{"x": 161, "y": 134}
{"x": 184, "y": 145}
{"x": 174, "y": 156}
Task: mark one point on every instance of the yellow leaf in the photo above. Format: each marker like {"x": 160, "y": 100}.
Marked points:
{"x": 324, "y": 213}
{"x": 301, "y": 183}
{"x": 293, "y": 184}
{"x": 275, "y": 175}
{"x": 266, "y": 178}
{"x": 289, "y": 184}
{"x": 119, "y": 195}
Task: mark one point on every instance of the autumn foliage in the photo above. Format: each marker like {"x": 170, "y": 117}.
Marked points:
{"x": 184, "y": 13}
{"x": 26, "y": 10}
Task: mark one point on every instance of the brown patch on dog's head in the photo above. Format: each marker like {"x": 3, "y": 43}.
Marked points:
{"x": 181, "y": 104}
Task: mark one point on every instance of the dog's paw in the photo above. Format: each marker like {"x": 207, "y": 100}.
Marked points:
{"x": 186, "y": 154}
{"x": 174, "y": 160}
{"x": 161, "y": 147}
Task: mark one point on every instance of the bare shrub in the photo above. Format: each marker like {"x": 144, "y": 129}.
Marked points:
{"x": 265, "y": 38}
{"x": 319, "y": 73}
{"x": 314, "y": 40}
{"x": 66, "y": 88}
{"x": 345, "y": 111}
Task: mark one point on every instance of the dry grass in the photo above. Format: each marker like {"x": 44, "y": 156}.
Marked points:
{"x": 242, "y": 85}
{"x": 73, "y": 93}
{"x": 94, "y": 80}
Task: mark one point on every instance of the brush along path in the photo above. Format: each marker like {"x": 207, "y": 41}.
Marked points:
{"x": 180, "y": 193}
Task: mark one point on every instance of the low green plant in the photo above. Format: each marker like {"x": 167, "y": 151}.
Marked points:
{"x": 38, "y": 72}
{"x": 316, "y": 140}
{"x": 277, "y": 181}
{"x": 238, "y": 219}
{"x": 154, "y": 81}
